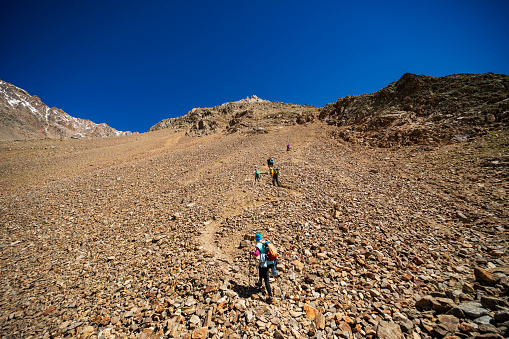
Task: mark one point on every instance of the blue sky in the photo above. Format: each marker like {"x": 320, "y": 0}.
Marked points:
{"x": 132, "y": 64}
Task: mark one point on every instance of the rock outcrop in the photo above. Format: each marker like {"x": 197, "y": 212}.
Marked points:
{"x": 424, "y": 110}
{"x": 250, "y": 116}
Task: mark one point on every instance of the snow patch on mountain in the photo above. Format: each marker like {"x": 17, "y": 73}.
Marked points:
{"x": 23, "y": 116}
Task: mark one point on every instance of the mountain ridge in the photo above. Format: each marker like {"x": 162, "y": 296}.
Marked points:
{"x": 415, "y": 109}
{"x": 419, "y": 109}
{"x": 23, "y": 116}
{"x": 250, "y": 115}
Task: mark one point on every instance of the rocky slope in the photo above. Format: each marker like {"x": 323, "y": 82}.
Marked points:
{"x": 416, "y": 109}
{"x": 23, "y": 116}
{"x": 424, "y": 110}
{"x": 147, "y": 236}
{"x": 250, "y": 115}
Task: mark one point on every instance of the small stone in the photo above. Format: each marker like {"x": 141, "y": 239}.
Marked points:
{"x": 471, "y": 309}
{"x": 310, "y": 311}
{"x": 466, "y": 327}
{"x": 418, "y": 261}
{"x": 489, "y": 336}
{"x": 484, "y": 320}
{"x": 493, "y": 304}
{"x": 200, "y": 333}
{"x": 49, "y": 310}
{"x": 407, "y": 277}
{"x": 501, "y": 316}
{"x": 298, "y": 265}
{"x": 448, "y": 322}
{"x": 443, "y": 305}
{"x": 87, "y": 331}
{"x": 320, "y": 321}
{"x": 278, "y": 334}
{"x": 462, "y": 217}
{"x": 194, "y": 320}
{"x": 388, "y": 330}
{"x": 209, "y": 289}
{"x": 426, "y": 302}
{"x": 484, "y": 276}
{"x": 105, "y": 320}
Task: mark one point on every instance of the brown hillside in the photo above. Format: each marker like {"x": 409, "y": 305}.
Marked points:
{"x": 138, "y": 236}
{"x": 424, "y": 110}
{"x": 23, "y": 116}
{"x": 248, "y": 116}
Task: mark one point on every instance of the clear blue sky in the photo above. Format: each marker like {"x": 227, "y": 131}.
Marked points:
{"x": 132, "y": 64}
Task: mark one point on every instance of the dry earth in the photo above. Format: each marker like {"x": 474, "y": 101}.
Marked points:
{"x": 138, "y": 237}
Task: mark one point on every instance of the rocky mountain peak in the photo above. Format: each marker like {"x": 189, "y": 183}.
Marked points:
{"x": 249, "y": 115}
{"x": 415, "y": 109}
{"x": 251, "y": 99}
{"x": 23, "y": 116}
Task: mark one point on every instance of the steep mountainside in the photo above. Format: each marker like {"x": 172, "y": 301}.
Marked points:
{"x": 147, "y": 236}
{"x": 250, "y": 115}
{"x": 23, "y": 116}
{"x": 419, "y": 109}
{"x": 416, "y": 109}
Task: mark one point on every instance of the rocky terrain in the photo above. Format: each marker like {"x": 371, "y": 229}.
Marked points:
{"x": 146, "y": 236}
{"x": 416, "y": 109}
{"x": 247, "y": 116}
{"x": 419, "y": 109}
{"x": 23, "y": 116}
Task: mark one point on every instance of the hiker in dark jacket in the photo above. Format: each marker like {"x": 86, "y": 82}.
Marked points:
{"x": 275, "y": 179}
{"x": 263, "y": 264}
{"x": 270, "y": 162}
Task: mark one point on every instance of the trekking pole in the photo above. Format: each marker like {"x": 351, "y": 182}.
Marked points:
{"x": 279, "y": 283}
{"x": 280, "y": 288}
{"x": 249, "y": 270}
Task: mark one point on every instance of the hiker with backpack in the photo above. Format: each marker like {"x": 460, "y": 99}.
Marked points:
{"x": 275, "y": 179}
{"x": 257, "y": 175}
{"x": 264, "y": 263}
{"x": 270, "y": 162}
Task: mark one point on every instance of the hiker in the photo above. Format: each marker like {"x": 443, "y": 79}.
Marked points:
{"x": 270, "y": 162}
{"x": 287, "y": 147}
{"x": 263, "y": 265}
{"x": 275, "y": 179}
{"x": 257, "y": 175}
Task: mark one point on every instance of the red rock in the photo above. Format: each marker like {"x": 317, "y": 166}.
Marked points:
{"x": 407, "y": 277}
{"x": 200, "y": 333}
{"x": 464, "y": 327}
{"x": 209, "y": 289}
{"x": 418, "y": 261}
{"x": 489, "y": 336}
{"x": 310, "y": 311}
{"x": 484, "y": 276}
{"x": 49, "y": 310}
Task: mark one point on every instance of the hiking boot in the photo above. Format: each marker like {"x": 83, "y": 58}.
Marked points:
{"x": 270, "y": 300}
{"x": 258, "y": 284}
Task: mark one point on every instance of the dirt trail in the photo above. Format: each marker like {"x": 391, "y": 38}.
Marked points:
{"x": 227, "y": 247}
{"x": 238, "y": 201}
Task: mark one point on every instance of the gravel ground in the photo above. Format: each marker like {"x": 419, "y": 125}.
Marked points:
{"x": 146, "y": 236}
